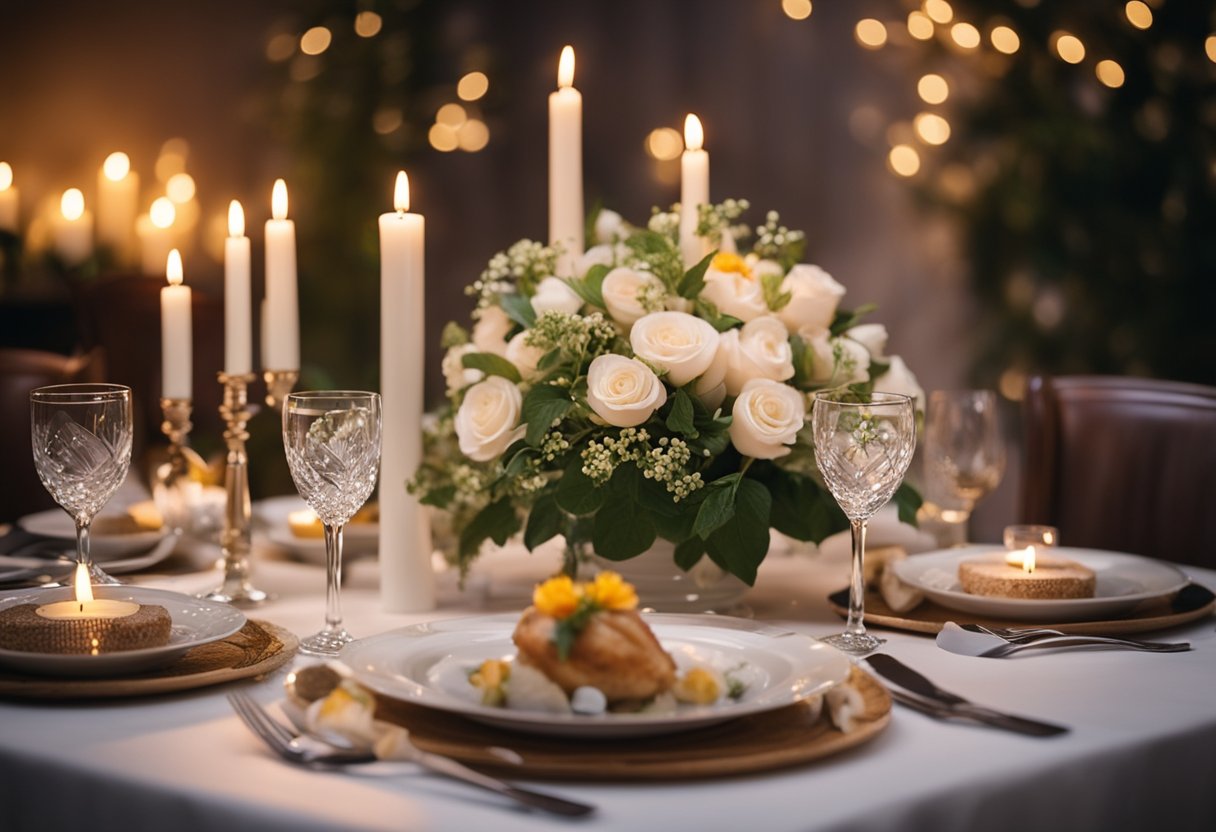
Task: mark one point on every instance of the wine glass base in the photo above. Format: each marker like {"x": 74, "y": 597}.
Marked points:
{"x": 326, "y": 642}
{"x": 97, "y": 577}
{"x": 855, "y": 644}
{"x": 243, "y": 595}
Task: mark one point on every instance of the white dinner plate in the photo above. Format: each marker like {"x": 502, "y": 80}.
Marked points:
{"x": 358, "y": 539}
{"x": 1122, "y": 582}
{"x": 103, "y": 547}
{"x": 428, "y": 664}
{"x": 195, "y": 622}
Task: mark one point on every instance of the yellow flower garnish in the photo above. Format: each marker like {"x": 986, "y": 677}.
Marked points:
{"x": 698, "y": 686}
{"x": 727, "y": 262}
{"x": 611, "y": 592}
{"x": 490, "y": 678}
{"x": 557, "y": 597}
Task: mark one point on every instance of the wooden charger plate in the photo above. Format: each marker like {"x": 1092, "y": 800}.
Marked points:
{"x": 1190, "y": 604}
{"x": 789, "y": 736}
{"x": 256, "y": 649}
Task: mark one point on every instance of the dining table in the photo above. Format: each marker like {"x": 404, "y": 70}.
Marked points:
{"x": 1140, "y": 752}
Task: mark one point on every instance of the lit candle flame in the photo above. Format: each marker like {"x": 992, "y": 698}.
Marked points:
{"x": 173, "y": 268}
{"x": 278, "y": 200}
{"x": 116, "y": 166}
{"x": 236, "y": 219}
{"x": 72, "y": 204}
{"x": 6, "y": 176}
{"x": 162, "y": 213}
{"x": 1023, "y": 558}
{"x": 565, "y": 68}
{"x": 694, "y": 135}
{"x": 401, "y": 192}
{"x": 84, "y": 588}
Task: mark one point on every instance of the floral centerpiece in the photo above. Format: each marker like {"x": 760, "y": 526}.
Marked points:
{"x": 640, "y": 399}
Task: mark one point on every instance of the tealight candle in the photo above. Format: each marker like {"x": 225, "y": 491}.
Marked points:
{"x": 85, "y": 605}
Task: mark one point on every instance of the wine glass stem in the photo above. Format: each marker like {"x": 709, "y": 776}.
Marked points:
{"x": 82, "y": 541}
{"x": 333, "y": 576}
{"x": 857, "y": 586}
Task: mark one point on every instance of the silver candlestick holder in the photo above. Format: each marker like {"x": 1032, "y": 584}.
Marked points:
{"x": 235, "y": 539}
{"x": 278, "y": 384}
{"x": 173, "y": 474}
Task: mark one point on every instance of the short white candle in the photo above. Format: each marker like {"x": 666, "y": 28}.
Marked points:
{"x": 283, "y": 311}
{"x": 155, "y": 232}
{"x": 175, "y": 333}
{"x": 694, "y": 191}
{"x": 238, "y": 315}
{"x": 407, "y": 582}
{"x": 566, "y": 166}
{"x": 9, "y": 199}
{"x": 117, "y": 202}
{"x": 73, "y": 228}
{"x": 85, "y": 605}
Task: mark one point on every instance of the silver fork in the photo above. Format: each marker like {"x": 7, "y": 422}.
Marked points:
{"x": 1030, "y": 636}
{"x": 286, "y": 743}
{"x": 1009, "y": 648}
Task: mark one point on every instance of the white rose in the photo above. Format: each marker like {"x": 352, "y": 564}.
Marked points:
{"x": 814, "y": 297}
{"x": 760, "y": 349}
{"x": 608, "y": 226}
{"x": 735, "y": 293}
{"x": 682, "y": 344}
{"x": 523, "y": 356}
{"x": 762, "y": 267}
{"x": 899, "y": 379}
{"x": 488, "y": 419}
{"x": 766, "y": 419}
{"x": 871, "y": 336}
{"x": 455, "y": 374}
{"x": 623, "y": 391}
{"x": 604, "y": 254}
{"x": 490, "y": 331}
{"x": 823, "y": 362}
{"x": 620, "y": 290}
{"x": 552, "y": 294}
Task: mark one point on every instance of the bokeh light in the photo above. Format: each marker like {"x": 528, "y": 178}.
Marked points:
{"x": 664, "y": 143}
{"x": 180, "y": 188}
{"x": 1069, "y": 47}
{"x": 443, "y": 137}
{"x": 162, "y": 213}
{"x": 904, "y": 160}
{"x": 315, "y": 41}
{"x": 1209, "y": 46}
{"x": 932, "y": 128}
{"x": 116, "y": 166}
{"x": 280, "y": 47}
{"x": 1005, "y": 40}
{"x": 71, "y": 204}
{"x": 1138, "y": 14}
{"x": 939, "y": 11}
{"x": 796, "y": 9}
{"x": 453, "y": 115}
{"x": 932, "y": 88}
{"x": 367, "y": 24}
{"x": 472, "y": 86}
{"x": 1110, "y": 73}
{"x": 965, "y": 35}
{"x": 870, "y": 33}
{"x": 473, "y": 135}
{"x": 387, "y": 120}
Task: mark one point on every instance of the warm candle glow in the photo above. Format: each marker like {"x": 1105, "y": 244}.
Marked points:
{"x": 6, "y": 176}
{"x": 1023, "y": 558}
{"x": 84, "y": 587}
{"x": 72, "y": 204}
{"x": 694, "y": 135}
{"x": 236, "y": 219}
{"x": 278, "y": 200}
{"x": 565, "y": 67}
{"x": 116, "y": 167}
{"x": 180, "y": 187}
{"x": 173, "y": 268}
{"x": 162, "y": 213}
{"x": 401, "y": 192}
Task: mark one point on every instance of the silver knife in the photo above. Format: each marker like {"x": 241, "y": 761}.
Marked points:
{"x": 896, "y": 671}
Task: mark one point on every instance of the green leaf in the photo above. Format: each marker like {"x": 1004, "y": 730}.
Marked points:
{"x": 718, "y": 506}
{"x": 716, "y": 319}
{"x": 742, "y": 542}
{"x": 689, "y": 553}
{"x": 773, "y": 296}
{"x": 518, "y": 309}
{"x": 550, "y": 359}
{"x": 453, "y": 335}
{"x": 680, "y": 418}
{"x": 646, "y": 241}
{"x": 543, "y": 405}
{"x": 491, "y": 365}
{"x": 544, "y": 522}
{"x": 496, "y": 522}
{"x": 577, "y": 493}
{"x": 439, "y": 497}
{"x": 591, "y": 287}
{"x": 622, "y": 529}
{"x": 801, "y": 509}
{"x": 693, "y": 280}
{"x": 804, "y": 362}
{"x": 846, "y": 319}
{"x": 908, "y": 501}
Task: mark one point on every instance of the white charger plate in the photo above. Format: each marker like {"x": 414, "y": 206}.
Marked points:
{"x": 358, "y": 539}
{"x": 1123, "y": 582}
{"x": 428, "y": 664}
{"x": 103, "y": 547}
{"x": 195, "y": 622}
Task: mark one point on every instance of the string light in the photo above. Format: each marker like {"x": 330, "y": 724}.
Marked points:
{"x": 472, "y": 86}
{"x": 932, "y": 128}
{"x": 1005, "y": 40}
{"x": 796, "y": 9}
{"x": 904, "y": 160}
{"x": 920, "y": 26}
{"x": 870, "y": 33}
{"x": 933, "y": 89}
{"x": 1138, "y": 14}
{"x": 315, "y": 41}
{"x": 1069, "y": 47}
{"x": 1110, "y": 73}
{"x": 965, "y": 35}
{"x": 939, "y": 11}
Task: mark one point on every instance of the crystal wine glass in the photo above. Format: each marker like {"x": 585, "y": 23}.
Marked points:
{"x": 82, "y": 449}
{"x": 964, "y": 450}
{"x": 332, "y": 440}
{"x": 863, "y": 444}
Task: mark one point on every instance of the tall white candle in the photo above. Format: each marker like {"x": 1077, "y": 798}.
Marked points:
{"x": 117, "y": 201}
{"x": 9, "y": 199}
{"x": 73, "y": 228}
{"x": 407, "y": 583}
{"x": 238, "y": 315}
{"x": 694, "y": 191}
{"x": 175, "y": 333}
{"x": 155, "y": 232}
{"x": 283, "y": 309}
{"x": 566, "y": 166}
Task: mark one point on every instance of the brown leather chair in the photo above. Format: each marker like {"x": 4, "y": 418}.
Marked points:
{"x": 21, "y": 491}
{"x": 1125, "y": 464}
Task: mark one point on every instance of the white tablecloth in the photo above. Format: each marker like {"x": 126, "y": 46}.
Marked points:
{"x": 1142, "y": 752}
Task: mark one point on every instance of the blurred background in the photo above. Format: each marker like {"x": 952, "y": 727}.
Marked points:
{"x": 1019, "y": 186}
